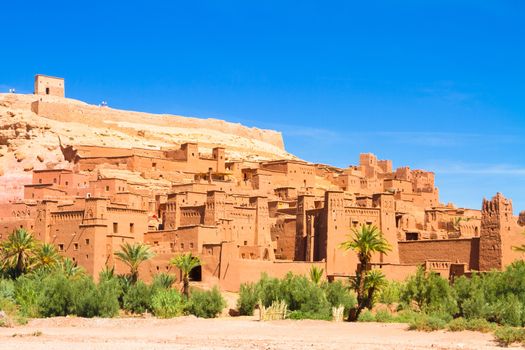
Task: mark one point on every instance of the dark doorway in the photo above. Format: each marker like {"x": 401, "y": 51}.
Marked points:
{"x": 196, "y": 274}
{"x": 47, "y": 91}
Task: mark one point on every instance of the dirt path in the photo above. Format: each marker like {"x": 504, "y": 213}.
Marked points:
{"x": 228, "y": 333}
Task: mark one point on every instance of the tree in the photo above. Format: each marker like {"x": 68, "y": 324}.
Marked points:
{"x": 133, "y": 255}
{"x": 17, "y": 252}
{"x": 316, "y": 274}
{"x": 185, "y": 263}
{"x": 364, "y": 240}
{"x": 374, "y": 280}
{"x": 46, "y": 256}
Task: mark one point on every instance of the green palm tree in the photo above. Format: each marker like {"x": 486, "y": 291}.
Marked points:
{"x": 46, "y": 256}
{"x": 70, "y": 269}
{"x": 374, "y": 281}
{"x": 185, "y": 263}
{"x": 17, "y": 252}
{"x": 316, "y": 274}
{"x": 365, "y": 241}
{"x": 133, "y": 255}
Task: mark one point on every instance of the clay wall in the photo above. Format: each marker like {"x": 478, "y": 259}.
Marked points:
{"x": 463, "y": 250}
{"x": 283, "y": 233}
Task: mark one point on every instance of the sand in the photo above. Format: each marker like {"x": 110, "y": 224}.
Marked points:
{"x": 228, "y": 333}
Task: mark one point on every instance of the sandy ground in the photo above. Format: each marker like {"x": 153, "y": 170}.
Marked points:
{"x": 228, "y": 333}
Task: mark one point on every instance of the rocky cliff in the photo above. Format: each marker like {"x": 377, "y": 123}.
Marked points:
{"x": 31, "y": 126}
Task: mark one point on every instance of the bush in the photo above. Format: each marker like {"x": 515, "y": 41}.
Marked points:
{"x": 457, "y": 325}
{"x": 480, "y": 325}
{"x": 384, "y": 316}
{"x": 137, "y": 298}
{"x": 366, "y": 316}
{"x": 27, "y": 291}
{"x": 206, "y": 304}
{"x": 56, "y": 296}
{"x": 339, "y": 294}
{"x": 167, "y": 303}
{"x": 163, "y": 280}
{"x": 7, "y": 289}
{"x": 506, "y": 335}
{"x": 248, "y": 298}
{"x": 390, "y": 293}
{"x": 299, "y": 293}
{"x": 427, "y": 323}
{"x": 430, "y": 293}
{"x": 308, "y": 315}
{"x": 108, "y": 293}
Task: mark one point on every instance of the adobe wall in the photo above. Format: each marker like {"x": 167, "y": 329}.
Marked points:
{"x": 463, "y": 250}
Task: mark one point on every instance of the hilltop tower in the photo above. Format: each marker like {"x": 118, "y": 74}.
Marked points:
{"x": 46, "y": 85}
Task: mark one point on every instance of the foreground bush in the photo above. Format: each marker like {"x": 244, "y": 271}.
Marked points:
{"x": 137, "y": 299}
{"x": 206, "y": 304}
{"x": 429, "y": 293}
{"x": 167, "y": 303}
{"x": 427, "y": 323}
{"x": 304, "y": 298}
{"x": 496, "y": 296}
{"x": 506, "y": 336}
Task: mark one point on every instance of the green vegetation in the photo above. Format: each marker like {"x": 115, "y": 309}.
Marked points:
{"x": 37, "y": 282}
{"x": 186, "y": 263}
{"x": 133, "y": 255}
{"x": 303, "y": 297}
{"x": 365, "y": 241}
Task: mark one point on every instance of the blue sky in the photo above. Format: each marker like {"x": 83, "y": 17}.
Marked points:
{"x": 438, "y": 85}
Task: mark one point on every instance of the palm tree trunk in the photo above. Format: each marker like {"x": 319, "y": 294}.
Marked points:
{"x": 20, "y": 264}
{"x": 186, "y": 285}
{"x": 361, "y": 297}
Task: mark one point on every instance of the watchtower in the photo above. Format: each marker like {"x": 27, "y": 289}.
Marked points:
{"x": 46, "y": 85}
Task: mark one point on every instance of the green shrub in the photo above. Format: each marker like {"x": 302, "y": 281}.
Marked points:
{"x": 506, "y": 335}
{"x": 390, "y": 293}
{"x": 480, "y": 325}
{"x": 298, "y": 292}
{"x": 206, "y": 304}
{"x": 7, "y": 289}
{"x": 163, "y": 280}
{"x": 426, "y": 323}
{"x": 109, "y": 292}
{"x": 308, "y": 315}
{"x": 56, "y": 296}
{"x": 366, "y": 316}
{"x": 137, "y": 298}
{"x": 430, "y": 293}
{"x": 457, "y": 325}
{"x": 248, "y": 298}
{"x": 338, "y": 293}
{"x": 27, "y": 295}
{"x": 384, "y": 316}
{"x": 167, "y": 303}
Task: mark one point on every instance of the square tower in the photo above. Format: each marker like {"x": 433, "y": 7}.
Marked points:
{"x": 46, "y": 85}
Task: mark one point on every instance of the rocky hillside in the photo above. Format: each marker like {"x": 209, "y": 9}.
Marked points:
{"x": 31, "y": 141}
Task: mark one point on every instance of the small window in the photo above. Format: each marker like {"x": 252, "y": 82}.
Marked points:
{"x": 39, "y": 181}
{"x": 47, "y": 91}
{"x": 131, "y": 228}
{"x": 191, "y": 245}
{"x": 61, "y": 247}
{"x": 67, "y": 183}
{"x": 115, "y": 227}
{"x": 75, "y": 246}
{"x": 182, "y": 246}
{"x": 107, "y": 188}
{"x": 55, "y": 180}
{"x": 87, "y": 241}
{"x": 153, "y": 165}
{"x": 245, "y": 242}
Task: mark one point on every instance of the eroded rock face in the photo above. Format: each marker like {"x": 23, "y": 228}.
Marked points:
{"x": 32, "y": 128}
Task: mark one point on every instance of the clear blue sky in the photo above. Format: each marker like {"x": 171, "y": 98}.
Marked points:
{"x": 438, "y": 85}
